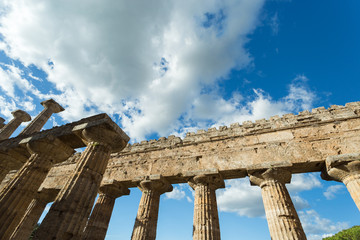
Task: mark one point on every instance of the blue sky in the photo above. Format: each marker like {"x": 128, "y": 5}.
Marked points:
{"x": 169, "y": 67}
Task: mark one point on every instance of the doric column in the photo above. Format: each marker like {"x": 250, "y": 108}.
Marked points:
{"x": 50, "y": 107}
{"x": 345, "y": 168}
{"x": 16, "y": 196}
{"x": 2, "y": 122}
{"x": 206, "y": 219}
{"x": 33, "y": 213}
{"x": 68, "y": 215}
{"x": 98, "y": 223}
{"x": 283, "y": 221}
{"x": 19, "y": 117}
{"x": 147, "y": 216}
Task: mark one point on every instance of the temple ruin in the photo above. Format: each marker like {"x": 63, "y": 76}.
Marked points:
{"x": 38, "y": 167}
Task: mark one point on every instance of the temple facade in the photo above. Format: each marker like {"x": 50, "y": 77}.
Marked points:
{"x": 38, "y": 167}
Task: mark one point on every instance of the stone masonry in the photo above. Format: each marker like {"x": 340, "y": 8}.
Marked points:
{"x": 36, "y": 168}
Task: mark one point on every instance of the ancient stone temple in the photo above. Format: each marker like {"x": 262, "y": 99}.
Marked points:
{"x": 38, "y": 167}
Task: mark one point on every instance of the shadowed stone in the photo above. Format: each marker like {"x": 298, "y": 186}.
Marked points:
{"x": 2, "y": 122}
{"x": 16, "y": 196}
{"x": 68, "y": 215}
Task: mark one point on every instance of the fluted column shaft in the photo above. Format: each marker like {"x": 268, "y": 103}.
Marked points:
{"x": 147, "y": 216}
{"x": 206, "y": 219}
{"x": 98, "y": 223}
{"x": 100, "y": 218}
{"x": 282, "y": 218}
{"x": 19, "y": 117}
{"x": 352, "y": 183}
{"x": 29, "y": 220}
{"x": 16, "y": 196}
{"x": 345, "y": 168}
{"x": 67, "y": 216}
{"x": 50, "y": 107}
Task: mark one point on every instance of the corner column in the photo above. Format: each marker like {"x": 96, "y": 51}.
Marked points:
{"x": 283, "y": 220}
{"x": 69, "y": 213}
{"x": 98, "y": 223}
{"x": 206, "y": 220}
{"x": 50, "y": 107}
{"x": 147, "y": 216}
{"x": 19, "y": 117}
{"x": 16, "y": 196}
{"x": 33, "y": 213}
{"x": 345, "y": 168}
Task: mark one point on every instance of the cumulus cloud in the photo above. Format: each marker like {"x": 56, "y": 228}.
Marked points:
{"x": 302, "y": 182}
{"x": 176, "y": 194}
{"x": 241, "y": 198}
{"x": 246, "y": 200}
{"x": 145, "y": 61}
{"x": 331, "y": 191}
{"x": 317, "y": 227}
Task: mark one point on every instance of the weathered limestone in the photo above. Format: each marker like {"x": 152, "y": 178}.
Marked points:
{"x": 206, "y": 220}
{"x": 19, "y": 117}
{"x": 147, "y": 216}
{"x": 345, "y": 168}
{"x": 98, "y": 223}
{"x": 33, "y": 213}
{"x": 283, "y": 221}
{"x": 50, "y": 107}
{"x": 2, "y": 122}
{"x": 5, "y": 168}
{"x": 68, "y": 215}
{"x": 16, "y": 196}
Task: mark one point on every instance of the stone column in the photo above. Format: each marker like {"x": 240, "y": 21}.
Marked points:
{"x": 33, "y": 213}
{"x": 147, "y": 216}
{"x": 345, "y": 168}
{"x": 50, "y": 107}
{"x": 68, "y": 215}
{"x": 206, "y": 220}
{"x": 16, "y": 196}
{"x": 2, "y": 122}
{"x": 283, "y": 221}
{"x": 98, "y": 223}
{"x": 19, "y": 117}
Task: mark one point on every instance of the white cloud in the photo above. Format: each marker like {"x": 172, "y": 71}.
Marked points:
{"x": 176, "y": 194}
{"x": 146, "y": 61}
{"x": 331, "y": 191}
{"x": 302, "y": 182}
{"x": 241, "y": 198}
{"x": 274, "y": 24}
{"x": 317, "y": 227}
{"x": 246, "y": 200}
{"x": 299, "y": 202}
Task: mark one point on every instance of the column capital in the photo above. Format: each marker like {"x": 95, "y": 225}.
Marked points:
{"x": 214, "y": 181}
{"x": 260, "y": 178}
{"x": 160, "y": 185}
{"x": 52, "y": 147}
{"x": 114, "y": 189}
{"x": 21, "y": 115}
{"x": 342, "y": 168}
{"x": 53, "y": 105}
{"x": 102, "y": 135}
